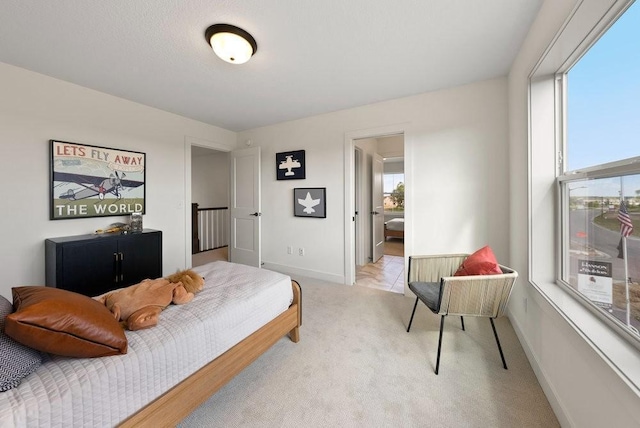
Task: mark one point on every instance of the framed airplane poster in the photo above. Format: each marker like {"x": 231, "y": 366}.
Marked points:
{"x": 290, "y": 165}
{"x": 93, "y": 181}
{"x": 310, "y": 202}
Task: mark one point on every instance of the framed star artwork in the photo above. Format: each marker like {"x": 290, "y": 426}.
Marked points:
{"x": 290, "y": 165}
{"x": 310, "y": 202}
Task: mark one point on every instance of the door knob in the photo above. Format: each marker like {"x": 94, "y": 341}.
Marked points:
{"x": 256, "y": 214}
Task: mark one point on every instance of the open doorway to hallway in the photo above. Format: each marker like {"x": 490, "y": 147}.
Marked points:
{"x": 210, "y": 205}
{"x": 379, "y": 201}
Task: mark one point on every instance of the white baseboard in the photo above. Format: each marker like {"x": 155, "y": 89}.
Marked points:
{"x": 543, "y": 379}
{"x": 295, "y": 271}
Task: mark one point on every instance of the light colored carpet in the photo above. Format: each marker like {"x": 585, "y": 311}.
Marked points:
{"x": 356, "y": 366}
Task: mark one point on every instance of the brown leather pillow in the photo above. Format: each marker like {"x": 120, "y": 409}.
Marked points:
{"x": 64, "y": 323}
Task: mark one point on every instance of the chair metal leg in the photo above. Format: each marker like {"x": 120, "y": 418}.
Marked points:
{"x": 412, "y": 314}
{"x": 462, "y": 322}
{"x": 440, "y": 343}
{"x": 495, "y": 333}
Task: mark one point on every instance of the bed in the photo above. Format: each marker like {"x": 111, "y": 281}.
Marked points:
{"x": 394, "y": 228}
{"x": 169, "y": 369}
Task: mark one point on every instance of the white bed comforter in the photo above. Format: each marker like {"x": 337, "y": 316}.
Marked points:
{"x": 395, "y": 224}
{"x": 98, "y": 392}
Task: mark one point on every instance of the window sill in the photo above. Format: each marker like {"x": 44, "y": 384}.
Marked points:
{"x": 616, "y": 351}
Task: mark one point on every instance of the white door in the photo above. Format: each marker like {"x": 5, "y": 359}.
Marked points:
{"x": 377, "y": 206}
{"x": 245, "y": 207}
{"x": 358, "y": 209}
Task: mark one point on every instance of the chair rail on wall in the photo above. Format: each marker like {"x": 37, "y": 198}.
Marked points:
{"x": 210, "y": 228}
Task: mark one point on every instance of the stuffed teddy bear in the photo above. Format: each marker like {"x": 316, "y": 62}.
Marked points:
{"x": 191, "y": 281}
{"x": 138, "y": 306}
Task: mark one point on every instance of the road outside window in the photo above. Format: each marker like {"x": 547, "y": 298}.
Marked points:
{"x": 602, "y": 244}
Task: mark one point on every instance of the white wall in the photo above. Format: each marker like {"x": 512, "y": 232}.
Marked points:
{"x": 457, "y": 136}
{"x": 456, "y": 150}
{"x": 210, "y": 180}
{"x": 391, "y": 147}
{"x": 34, "y": 109}
{"x": 584, "y": 388}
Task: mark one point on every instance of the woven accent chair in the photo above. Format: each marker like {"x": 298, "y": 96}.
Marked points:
{"x": 431, "y": 279}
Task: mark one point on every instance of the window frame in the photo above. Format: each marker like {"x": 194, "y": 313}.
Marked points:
{"x": 585, "y": 20}
{"x": 623, "y": 167}
{"x": 385, "y": 194}
{"x": 630, "y": 166}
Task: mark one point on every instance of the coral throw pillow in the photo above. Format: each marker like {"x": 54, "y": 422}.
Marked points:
{"x": 482, "y": 262}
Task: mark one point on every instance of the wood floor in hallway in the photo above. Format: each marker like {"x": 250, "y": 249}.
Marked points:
{"x": 388, "y": 272}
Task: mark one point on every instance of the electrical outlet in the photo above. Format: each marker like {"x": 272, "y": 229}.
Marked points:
{"x": 301, "y": 251}
{"x": 289, "y": 249}
{"x": 524, "y": 301}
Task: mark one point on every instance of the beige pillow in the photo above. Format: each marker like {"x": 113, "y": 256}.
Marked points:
{"x": 64, "y": 323}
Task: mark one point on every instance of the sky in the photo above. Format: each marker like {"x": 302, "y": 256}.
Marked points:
{"x": 603, "y": 97}
{"x": 391, "y": 181}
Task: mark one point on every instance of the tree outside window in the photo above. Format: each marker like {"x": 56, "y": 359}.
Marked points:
{"x": 393, "y": 192}
{"x": 397, "y": 196}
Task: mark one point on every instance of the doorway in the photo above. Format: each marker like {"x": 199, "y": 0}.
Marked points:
{"x": 210, "y": 205}
{"x": 379, "y": 195}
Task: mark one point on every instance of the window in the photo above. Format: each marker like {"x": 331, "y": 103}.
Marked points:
{"x": 599, "y": 188}
{"x": 393, "y": 190}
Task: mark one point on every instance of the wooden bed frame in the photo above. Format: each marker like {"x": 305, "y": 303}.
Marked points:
{"x": 393, "y": 233}
{"x": 177, "y": 403}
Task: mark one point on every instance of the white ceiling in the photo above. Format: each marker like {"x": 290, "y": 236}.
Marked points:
{"x": 314, "y": 56}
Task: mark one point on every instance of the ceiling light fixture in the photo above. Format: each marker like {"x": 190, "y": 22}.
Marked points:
{"x": 230, "y": 43}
